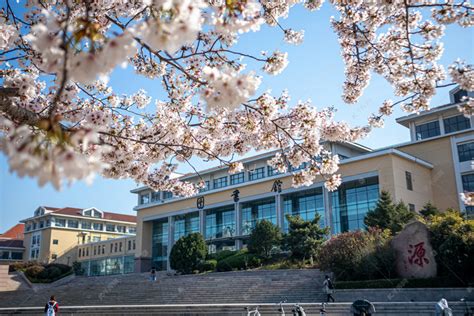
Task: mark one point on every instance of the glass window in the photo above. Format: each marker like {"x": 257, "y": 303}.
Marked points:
{"x": 220, "y": 223}
{"x": 411, "y": 207}
{"x": 427, "y": 130}
{"x": 86, "y": 225}
{"x": 129, "y": 245}
{"x": 60, "y": 222}
{"x": 144, "y": 198}
{"x": 121, "y": 229}
{"x": 466, "y": 152}
{"x": 258, "y": 173}
{"x": 305, "y": 204}
{"x": 98, "y": 226}
{"x": 408, "y": 180}
{"x": 110, "y": 227}
{"x": 300, "y": 167}
{"x": 220, "y": 245}
{"x": 207, "y": 185}
{"x": 72, "y": 223}
{"x": 220, "y": 182}
{"x": 167, "y": 195}
{"x": 48, "y": 223}
{"x": 95, "y": 238}
{"x": 468, "y": 186}
{"x": 41, "y": 225}
{"x": 160, "y": 244}
{"x": 256, "y": 211}
{"x": 134, "y": 244}
{"x": 129, "y": 264}
{"x": 237, "y": 178}
{"x": 272, "y": 171}
{"x": 456, "y": 123}
{"x": 351, "y": 202}
{"x": 155, "y": 196}
{"x": 34, "y": 225}
{"x": 186, "y": 224}
{"x": 132, "y": 230}
{"x": 458, "y": 95}
{"x": 55, "y": 241}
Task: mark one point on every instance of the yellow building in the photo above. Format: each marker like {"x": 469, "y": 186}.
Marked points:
{"x": 113, "y": 256}
{"x": 435, "y": 165}
{"x": 52, "y": 234}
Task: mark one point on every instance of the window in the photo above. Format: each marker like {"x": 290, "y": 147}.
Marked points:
{"x": 167, "y": 195}
{"x": 41, "y": 225}
{"x": 87, "y": 251}
{"x": 72, "y": 224}
{"x": 207, "y": 185}
{"x": 98, "y": 226}
{"x": 115, "y": 247}
{"x": 220, "y": 223}
{"x": 272, "y": 171}
{"x": 458, "y": 95}
{"x": 186, "y": 224}
{"x": 121, "y": 229}
{"x": 300, "y": 167}
{"x": 466, "y": 152}
{"x": 258, "y": 173}
{"x": 95, "y": 250}
{"x": 306, "y": 204}
{"x": 79, "y": 253}
{"x": 55, "y": 241}
{"x": 95, "y": 238}
{"x": 144, "y": 198}
{"x": 237, "y": 178}
{"x": 220, "y": 182}
{"x": 133, "y": 245}
{"x": 468, "y": 186}
{"x": 60, "y": 222}
{"x": 86, "y": 225}
{"x": 111, "y": 247}
{"x": 54, "y": 256}
{"x": 110, "y": 227}
{"x": 408, "y": 180}
{"x": 132, "y": 230}
{"x": 103, "y": 249}
{"x": 155, "y": 196}
{"x": 34, "y": 225}
{"x": 411, "y": 207}
{"x": 456, "y": 123}
{"x": 28, "y": 227}
{"x": 427, "y": 130}
{"x": 254, "y": 211}
{"x": 48, "y": 223}
{"x": 120, "y": 246}
{"x": 129, "y": 245}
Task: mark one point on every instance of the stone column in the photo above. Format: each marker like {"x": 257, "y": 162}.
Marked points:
{"x": 279, "y": 210}
{"x": 202, "y": 222}
{"x": 238, "y": 225}
{"x": 327, "y": 209}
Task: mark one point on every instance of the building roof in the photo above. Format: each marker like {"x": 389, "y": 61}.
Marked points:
{"x": 11, "y": 243}
{"x": 16, "y": 232}
{"x": 107, "y": 215}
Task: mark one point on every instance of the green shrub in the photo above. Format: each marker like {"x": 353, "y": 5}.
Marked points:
{"x": 21, "y": 266}
{"x": 264, "y": 238}
{"x": 304, "y": 238}
{"x": 358, "y": 255}
{"x": 77, "y": 268}
{"x": 208, "y": 265}
{"x": 218, "y": 256}
{"x": 49, "y": 273}
{"x": 452, "y": 239}
{"x": 33, "y": 271}
{"x": 188, "y": 253}
{"x": 239, "y": 261}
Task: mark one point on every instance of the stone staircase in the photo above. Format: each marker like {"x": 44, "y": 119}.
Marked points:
{"x": 137, "y": 289}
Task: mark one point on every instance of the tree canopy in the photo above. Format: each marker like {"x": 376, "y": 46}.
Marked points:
{"x": 60, "y": 118}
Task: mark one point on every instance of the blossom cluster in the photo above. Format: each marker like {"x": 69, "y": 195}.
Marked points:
{"x": 66, "y": 121}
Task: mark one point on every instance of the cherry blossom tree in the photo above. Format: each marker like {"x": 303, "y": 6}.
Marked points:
{"x": 60, "y": 120}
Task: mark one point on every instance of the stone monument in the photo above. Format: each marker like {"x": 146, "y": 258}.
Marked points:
{"x": 413, "y": 251}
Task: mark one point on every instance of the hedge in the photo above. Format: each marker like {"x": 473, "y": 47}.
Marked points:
{"x": 239, "y": 261}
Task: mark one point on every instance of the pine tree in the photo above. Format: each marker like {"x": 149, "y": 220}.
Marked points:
{"x": 429, "y": 210}
{"x": 388, "y": 215}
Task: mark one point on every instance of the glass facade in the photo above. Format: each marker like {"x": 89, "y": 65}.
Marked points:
{"x": 220, "y": 223}
{"x": 468, "y": 186}
{"x": 466, "y": 152}
{"x": 456, "y": 123}
{"x": 255, "y": 211}
{"x": 220, "y": 182}
{"x": 351, "y": 202}
{"x": 185, "y": 224}
{"x": 110, "y": 266}
{"x": 220, "y": 245}
{"x": 160, "y": 244}
{"x": 427, "y": 130}
{"x": 305, "y": 204}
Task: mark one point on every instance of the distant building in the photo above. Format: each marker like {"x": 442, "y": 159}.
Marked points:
{"x": 436, "y": 165}
{"x": 52, "y": 234}
{"x": 113, "y": 256}
{"x": 11, "y": 244}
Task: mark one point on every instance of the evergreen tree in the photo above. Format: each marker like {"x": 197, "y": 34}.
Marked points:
{"x": 188, "y": 253}
{"x": 429, "y": 210}
{"x": 388, "y": 215}
{"x": 304, "y": 238}
{"x": 264, "y": 237}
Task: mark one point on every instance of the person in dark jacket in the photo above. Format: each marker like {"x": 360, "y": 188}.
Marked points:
{"x": 51, "y": 308}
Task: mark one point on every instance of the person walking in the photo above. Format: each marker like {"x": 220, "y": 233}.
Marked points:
{"x": 51, "y": 308}
{"x": 328, "y": 288}
{"x": 153, "y": 274}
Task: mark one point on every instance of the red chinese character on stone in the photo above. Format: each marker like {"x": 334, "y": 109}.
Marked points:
{"x": 417, "y": 254}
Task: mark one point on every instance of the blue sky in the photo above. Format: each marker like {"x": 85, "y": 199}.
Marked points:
{"x": 315, "y": 72}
